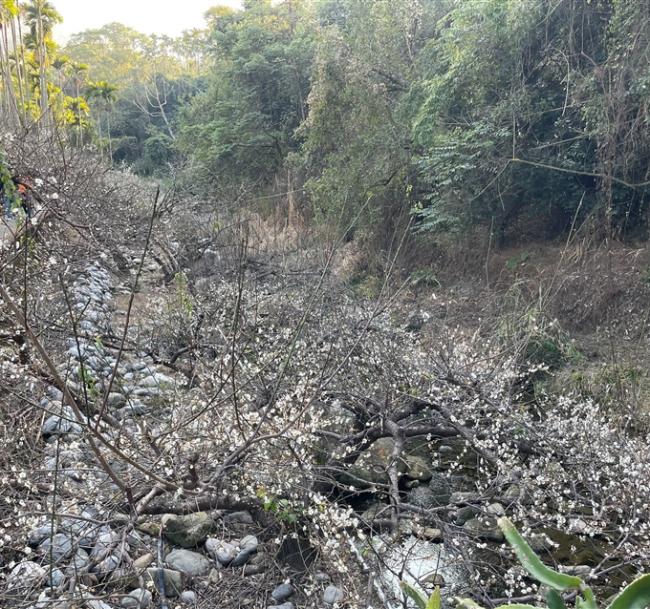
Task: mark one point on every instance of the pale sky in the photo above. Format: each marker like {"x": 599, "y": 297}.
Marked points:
{"x": 148, "y": 16}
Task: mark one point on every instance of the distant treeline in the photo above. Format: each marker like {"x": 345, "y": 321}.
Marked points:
{"x": 526, "y": 116}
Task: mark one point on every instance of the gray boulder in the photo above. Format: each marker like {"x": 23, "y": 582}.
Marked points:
{"x": 107, "y": 565}
{"x": 107, "y": 539}
{"x": 79, "y": 563}
{"x": 61, "y": 425}
{"x": 238, "y": 518}
{"x": 191, "y": 563}
{"x": 26, "y": 575}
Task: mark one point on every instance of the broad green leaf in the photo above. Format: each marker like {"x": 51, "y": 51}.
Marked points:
{"x": 635, "y": 596}
{"x": 554, "y": 600}
{"x": 434, "y": 600}
{"x": 417, "y": 596}
{"x": 531, "y": 562}
{"x": 589, "y": 599}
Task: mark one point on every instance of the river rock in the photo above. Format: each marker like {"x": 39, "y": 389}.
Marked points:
{"x": 137, "y": 599}
{"x": 248, "y": 546}
{"x": 282, "y": 606}
{"x": 156, "y": 380}
{"x": 242, "y": 517}
{"x": 434, "y": 579}
{"x": 189, "y": 597}
{"x": 282, "y": 592}
{"x": 60, "y": 425}
{"x": 465, "y": 513}
{"x": 174, "y": 581}
{"x": 115, "y": 400}
{"x": 26, "y": 574}
{"x": 107, "y": 539}
{"x": 56, "y": 548}
{"x": 333, "y": 595}
{"x": 484, "y": 531}
{"x": 96, "y": 603}
{"x": 37, "y": 535}
{"x": 431, "y": 534}
{"x": 222, "y": 551}
{"x": 80, "y": 529}
{"x": 496, "y": 510}
{"x": 142, "y": 562}
{"x": 107, "y": 565}
{"x": 188, "y": 531}
{"x": 435, "y": 494}
{"x": 188, "y": 562}
{"x": 78, "y": 564}
{"x": 418, "y": 468}
{"x": 55, "y": 578}
{"x": 371, "y": 467}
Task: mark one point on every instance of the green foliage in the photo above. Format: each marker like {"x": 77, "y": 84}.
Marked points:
{"x": 7, "y": 187}
{"x": 420, "y": 599}
{"x": 424, "y": 277}
{"x": 635, "y": 596}
{"x": 356, "y": 152}
{"x": 368, "y": 286}
{"x": 518, "y": 260}
{"x": 526, "y": 117}
{"x": 138, "y": 84}
{"x": 283, "y": 509}
{"x": 531, "y": 562}
{"x": 90, "y": 383}
{"x": 242, "y": 128}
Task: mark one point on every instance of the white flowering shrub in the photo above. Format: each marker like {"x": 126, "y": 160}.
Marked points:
{"x": 384, "y": 454}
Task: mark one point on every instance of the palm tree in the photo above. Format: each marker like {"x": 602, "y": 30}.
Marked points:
{"x": 105, "y": 92}
{"x": 8, "y": 15}
{"x": 60, "y": 63}
{"x": 76, "y": 112}
{"x": 40, "y": 18}
{"x": 79, "y": 71}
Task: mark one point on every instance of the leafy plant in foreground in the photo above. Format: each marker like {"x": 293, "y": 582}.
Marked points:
{"x": 421, "y": 599}
{"x": 634, "y": 596}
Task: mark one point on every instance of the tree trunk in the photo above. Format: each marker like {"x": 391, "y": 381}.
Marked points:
{"x": 20, "y": 75}
{"x": 12, "y": 108}
{"x": 110, "y": 141}
{"x": 44, "y": 100}
{"x": 23, "y": 62}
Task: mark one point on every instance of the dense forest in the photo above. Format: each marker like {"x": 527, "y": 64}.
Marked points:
{"x": 318, "y": 304}
{"x": 525, "y": 117}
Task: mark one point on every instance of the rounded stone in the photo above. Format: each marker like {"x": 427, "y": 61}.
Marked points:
{"x": 282, "y": 592}
{"x": 137, "y": 599}
{"x": 222, "y": 551}
{"x": 189, "y": 597}
{"x": 333, "y": 595}
{"x": 188, "y": 562}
